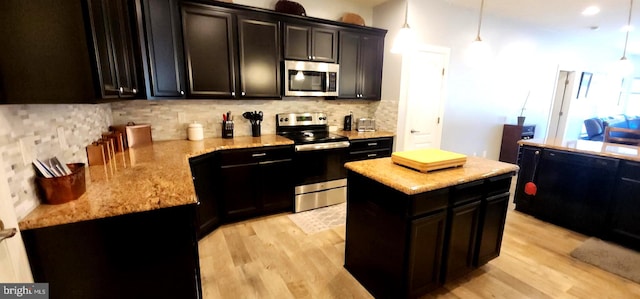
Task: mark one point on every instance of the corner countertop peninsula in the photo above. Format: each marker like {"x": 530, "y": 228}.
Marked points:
{"x": 140, "y": 179}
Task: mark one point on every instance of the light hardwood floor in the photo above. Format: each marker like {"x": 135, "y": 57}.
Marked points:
{"x": 271, "y": 257}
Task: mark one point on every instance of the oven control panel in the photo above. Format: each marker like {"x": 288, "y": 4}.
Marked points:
{"x": 301, "y": 119}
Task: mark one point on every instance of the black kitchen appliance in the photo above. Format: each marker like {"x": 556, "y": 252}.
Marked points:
{"x": 318, "y": 160}
{"x": 348, "y": 121}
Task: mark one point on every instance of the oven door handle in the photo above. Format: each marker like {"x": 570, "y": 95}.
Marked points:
{"x": 321, "y": 146}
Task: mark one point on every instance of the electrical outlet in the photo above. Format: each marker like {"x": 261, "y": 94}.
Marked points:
{"x": 28, "y": 149}
{"x": 62, "y": 139}
{"x": 182, "y": 118}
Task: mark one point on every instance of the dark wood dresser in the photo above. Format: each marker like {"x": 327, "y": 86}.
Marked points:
{"x": 510, "y": 136}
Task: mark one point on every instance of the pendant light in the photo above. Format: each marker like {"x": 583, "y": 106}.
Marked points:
{"x": 625, "y": 66}
{"x": 404, "y": 41}
{"x": 479, "y": 50}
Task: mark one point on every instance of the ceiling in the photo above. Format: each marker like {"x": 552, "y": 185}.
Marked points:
{"x": 557, "y": 15}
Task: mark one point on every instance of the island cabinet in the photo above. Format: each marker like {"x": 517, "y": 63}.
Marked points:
{"x": 310, "y": 42}
{"x": 573, "y": 189}
{"x": 626, "y": 205}
{"x": 360, "y": 59}
{"x": 590, "y": 187}
{"x": 152, "y": 254}
{"x": 403, "y": 245}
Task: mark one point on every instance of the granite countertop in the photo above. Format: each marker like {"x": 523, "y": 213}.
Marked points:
{"x": 412, "y": 182}
{"x": 599, "y": 148}
{"x": 353, "y": 135}
{"x": 140, "y": 179}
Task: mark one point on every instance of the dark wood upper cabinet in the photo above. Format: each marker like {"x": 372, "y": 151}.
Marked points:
{"x": 46, "y": 57}
{"x": 210, "y": 54}
{"x": 163, "y": 58}
{"x": 113, "y": 46}
{"x": 360, "y": 61}
{"x": 313, "y": 43}
{"x": 259, "y": 53}
{"x": 229, "y": 54}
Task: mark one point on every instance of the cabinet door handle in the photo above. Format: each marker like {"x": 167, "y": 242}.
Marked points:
{"x": 259, "y": 155}
{"x": 313, "y": 57}
{"x": 182, "y": 92}
{"x": 414, "y": 131}
{"x": 233, "y": 93}
{"x": 243, "y": 93}
{"x": 121, "y": 89}
{"x": 372, "y": 144}
{"x": 372, "y": 155}
{"x": 309, "y": 57}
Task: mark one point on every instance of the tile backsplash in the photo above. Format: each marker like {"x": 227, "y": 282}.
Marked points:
{"x": 169, "y": 119}
{"x": 43, "y": 131}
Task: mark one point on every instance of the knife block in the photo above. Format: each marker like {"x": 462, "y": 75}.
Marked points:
{"x": 227, "y": 129}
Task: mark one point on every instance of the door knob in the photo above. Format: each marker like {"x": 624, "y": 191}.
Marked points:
{"x": 6, "y": 233}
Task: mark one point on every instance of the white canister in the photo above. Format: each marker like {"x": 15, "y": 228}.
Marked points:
{"x": 195, "y": 131}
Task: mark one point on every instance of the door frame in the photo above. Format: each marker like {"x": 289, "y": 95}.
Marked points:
{"x": 12, "y": 250}
{"x": 559, "y": 110}
{"x": 402, "y": 125}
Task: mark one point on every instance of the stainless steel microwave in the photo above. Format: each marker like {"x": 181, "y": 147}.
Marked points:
{"x": 310, "y": 79}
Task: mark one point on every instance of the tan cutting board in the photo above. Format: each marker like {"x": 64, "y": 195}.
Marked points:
{"x": 425, "y": 160}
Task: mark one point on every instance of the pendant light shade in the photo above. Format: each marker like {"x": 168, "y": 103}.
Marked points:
{"x": 405, "y": 40}
{"x": 479, "y": 51}
{"x": 624, "y": 66}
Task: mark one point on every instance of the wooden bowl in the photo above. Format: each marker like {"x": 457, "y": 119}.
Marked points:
{"x": 352, "y": 18}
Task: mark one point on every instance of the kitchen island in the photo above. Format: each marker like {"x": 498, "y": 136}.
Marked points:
{"x": 588, "y": 186}
{"x": 132, "y": 233}
{"x": 408, "y": 232}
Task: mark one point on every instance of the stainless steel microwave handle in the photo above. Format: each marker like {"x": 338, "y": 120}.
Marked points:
{"x": 321, "y": 146}
{"x": 326, "y": 82}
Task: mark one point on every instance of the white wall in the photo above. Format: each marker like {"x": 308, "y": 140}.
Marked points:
{"x": 481, "y": 99}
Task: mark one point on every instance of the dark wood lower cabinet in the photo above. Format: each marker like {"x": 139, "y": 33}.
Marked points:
{"x": 492, "y": 228}
{"x": 403, "y": 246}
{"x": 461, "y": 246}
{"x": 237, "y": 184}
{"x": 151, "y": 254}
{"x": 203, "y": 172}
{"x": 425, "y": 253}
{"x": 589, "y": 193}
{"x": 626, "y": 209}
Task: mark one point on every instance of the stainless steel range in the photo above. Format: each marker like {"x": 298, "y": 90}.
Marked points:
{"x": 321, "y": 179}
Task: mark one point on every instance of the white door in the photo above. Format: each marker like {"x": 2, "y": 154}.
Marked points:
{"x": 560, "y": 107}
{"x": 14, "y": 265}
{"x": 422, "y": 98}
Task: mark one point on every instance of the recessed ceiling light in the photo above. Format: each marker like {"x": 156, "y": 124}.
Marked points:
{"x": 591, "y": 10}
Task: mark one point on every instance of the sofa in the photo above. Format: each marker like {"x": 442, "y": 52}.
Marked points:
{"x": 595, "y": 126}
